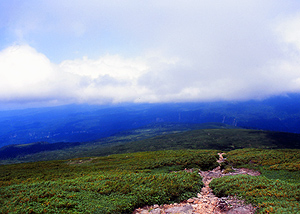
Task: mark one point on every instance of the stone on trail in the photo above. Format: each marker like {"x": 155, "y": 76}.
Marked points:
{"x": 187, "y": 209}
{"x": 156, "y": 211}
{"x": 190, "y": 200}
{"x": 239, "y": 210}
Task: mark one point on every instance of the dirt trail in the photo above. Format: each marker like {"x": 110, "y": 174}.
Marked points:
{"x": 206, "y": 201}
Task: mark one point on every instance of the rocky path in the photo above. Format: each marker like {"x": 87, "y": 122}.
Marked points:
{"x": 206, "y": 201}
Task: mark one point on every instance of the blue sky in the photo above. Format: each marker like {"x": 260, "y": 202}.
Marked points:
{"x": 99, "y": 52}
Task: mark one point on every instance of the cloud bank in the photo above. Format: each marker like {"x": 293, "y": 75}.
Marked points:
{"x": 170, "y": 51}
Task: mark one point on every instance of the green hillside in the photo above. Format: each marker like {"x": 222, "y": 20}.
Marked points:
{"x": 111, "y": 184}
{"x": 221, "y": 139}
{"x": 145, "y": 167}
{"x": 120, "y": 183}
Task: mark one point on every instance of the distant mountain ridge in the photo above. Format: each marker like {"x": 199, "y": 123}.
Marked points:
{"x": 82, "y": 123}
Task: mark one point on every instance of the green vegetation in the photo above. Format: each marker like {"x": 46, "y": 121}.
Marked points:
{"x": 277, "y": 190}
{"x": 134, "y": 169}
{"x": 281, "y": 159}
{"x": 171, "y": 136}
{"x": 110, "y": 184}
{"x": 222, "y": 139}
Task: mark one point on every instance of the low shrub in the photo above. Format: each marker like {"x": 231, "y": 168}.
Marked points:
{"x": 111, "y": 184}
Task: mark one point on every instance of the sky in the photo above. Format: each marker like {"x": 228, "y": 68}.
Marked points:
{"x": 101, "y": 52}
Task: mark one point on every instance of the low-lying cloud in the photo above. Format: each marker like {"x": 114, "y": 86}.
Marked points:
{"x": 28, "y": 76}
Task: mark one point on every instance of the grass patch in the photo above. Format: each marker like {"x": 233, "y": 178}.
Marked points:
{"x": 274, "y": 196}
{"x": 110, "y": 184}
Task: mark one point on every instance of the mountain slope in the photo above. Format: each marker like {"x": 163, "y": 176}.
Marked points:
{"x": 219, "y": 139}
{"x": 75, "y": 149}
{"x": 82, "y": 123}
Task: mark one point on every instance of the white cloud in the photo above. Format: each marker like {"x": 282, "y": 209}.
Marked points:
{"x": 158, "y": 51}
{"x": 28, "y": 76}
{"x": 23, "y": 70}
{"x": 289, "y": 30}
{"x": 108, "y": 65}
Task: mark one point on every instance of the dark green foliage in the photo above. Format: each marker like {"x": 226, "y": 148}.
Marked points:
{"x": 221, "y": 139}
{"x": 276, "y": 190}
{"x": 110, "y": 184}
{"x": 281, "y": 159}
